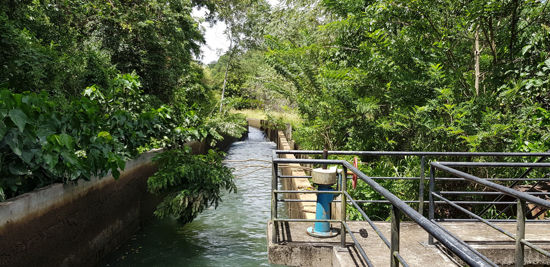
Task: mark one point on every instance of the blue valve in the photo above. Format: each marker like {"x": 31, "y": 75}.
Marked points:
{"x": 323, "y": 212}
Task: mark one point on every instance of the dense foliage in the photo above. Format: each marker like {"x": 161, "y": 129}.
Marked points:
{"x": 87, "y": 85}
{"x": 64, "y": 46}
{"x": 364, "y": 75}
{"x": 396, "y": 75}
{"x": 190, "y": 183}
{"x": 44, "y": 141}
{"x": 411, "y": 75}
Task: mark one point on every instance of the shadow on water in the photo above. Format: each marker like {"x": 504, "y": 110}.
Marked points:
{"x": 231, "y": 235}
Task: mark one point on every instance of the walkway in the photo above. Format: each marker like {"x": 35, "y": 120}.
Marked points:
{"x": 296, "y": 248}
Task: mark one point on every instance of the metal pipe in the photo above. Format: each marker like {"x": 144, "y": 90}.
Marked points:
{"x": 343, "y": 202}
{"x": 400, "y": 259}
{"x": 395, "y": 178}
{"x": 486, "y": 193}
{"x": 521, "y": 177}
{"x": 462, "y": 242}
{"x": 491, "y": 220}
{"x": 535, "y": 247}
{"x": 308, "y": 161}
{"x": 520, "y": 233}
{"x": 471, "y": 214}
{"x": 431, "y": 205}
{"x": 274, "y": 202}
{"x": 495, "y": 179}
{"x": 464, "y": 252}
{"x": 308, "y": 192}
{"x": 461, "y": 179}
{"x": 294, "y": 177}
{"x": 325, "y": 156}
{"x": 358, "y": 245}
{"x": 307, "y": 220}
{"x": 371, "y": 223}
{"x": 408, "y": 201}
{"x": 494, "y": 164}
{"x": 421, "y": 186}
{"x": 395, "y": 232}
{"x": 504, "y": 189}
{"x": 416, "y": 153}
{"x": 274, "y": 184}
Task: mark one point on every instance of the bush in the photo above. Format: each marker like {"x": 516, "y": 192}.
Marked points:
{"x": 189, "y": 183}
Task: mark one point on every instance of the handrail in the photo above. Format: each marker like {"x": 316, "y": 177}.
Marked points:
{"x": 522, "y": 199}
{"x": 463, "y": 251}
{"x": 508, "y": 191}
{"x": 416, "y": 153}
{"x": 494, "y": 164}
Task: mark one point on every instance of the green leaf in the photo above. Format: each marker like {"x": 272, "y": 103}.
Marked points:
{"x": 50, "y": 160}
{"x": 69, "y": 158}
{"x": 14, "y": 143}
{"x": 27, "y": 156}
{"x": 105, "y": 135}
{"x": 19, "y": 118}
{"x": 3, "y": 113}
{"x": 19, "y": 169}
{"x": 66, "y": 141}
{"x": 3, "y": 129}
{"x": 525, "y": 49}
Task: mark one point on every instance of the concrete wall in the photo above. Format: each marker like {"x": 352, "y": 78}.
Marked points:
{"x": 78, "y": 224}
{"x": 297, "y": 210}
{"x": 75, "y": 224}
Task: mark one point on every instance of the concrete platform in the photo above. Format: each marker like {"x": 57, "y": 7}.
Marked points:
{"x": 296, "y": 248}
{"x": 500, "y": 248}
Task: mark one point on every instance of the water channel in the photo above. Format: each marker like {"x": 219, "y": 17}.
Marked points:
{"x": 231, "y": 235}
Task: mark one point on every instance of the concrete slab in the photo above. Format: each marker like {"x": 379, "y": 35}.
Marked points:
{"x": 498, "y": 247}
{"x": 296, "y": 248}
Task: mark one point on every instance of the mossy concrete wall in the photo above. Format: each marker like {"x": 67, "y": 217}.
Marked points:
{"x": 76, "y": 224}
{"x": 79, "y": 224}
{"x": 297, "y": 210}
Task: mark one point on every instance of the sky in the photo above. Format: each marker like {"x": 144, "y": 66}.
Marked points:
{"x": 216, "y": 42}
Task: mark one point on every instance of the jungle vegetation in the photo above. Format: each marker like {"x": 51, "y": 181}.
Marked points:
{"x": 87, "y": 85}
{"x": 410, "y": 75}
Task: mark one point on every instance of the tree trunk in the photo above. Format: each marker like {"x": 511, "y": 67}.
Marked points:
{"x": 476, "y": 56}
{"x": 226, "y": 71}
{"x": 513, "y": 27}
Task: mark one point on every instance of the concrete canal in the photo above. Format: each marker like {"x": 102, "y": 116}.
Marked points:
{"x": 231, "y": 235}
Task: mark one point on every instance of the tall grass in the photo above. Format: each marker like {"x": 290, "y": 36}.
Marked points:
{"x": 288, "y": 116}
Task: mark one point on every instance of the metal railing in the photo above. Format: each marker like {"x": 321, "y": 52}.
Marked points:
{"x": 399, "y": 207}
{"x": 522, "y": 199}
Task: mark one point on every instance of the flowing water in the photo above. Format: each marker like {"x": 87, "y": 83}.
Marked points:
{"x": 234, "y": 234}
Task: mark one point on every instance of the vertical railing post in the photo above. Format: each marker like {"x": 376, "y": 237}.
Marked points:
{"x": 431, "y": 208}
{"x": 274, "y": 183}
{"x": 395, "y": 231}
{"x": 343, "y": 187}
{"x": 421, "y": 186}
{"x": 520, "y": 234}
